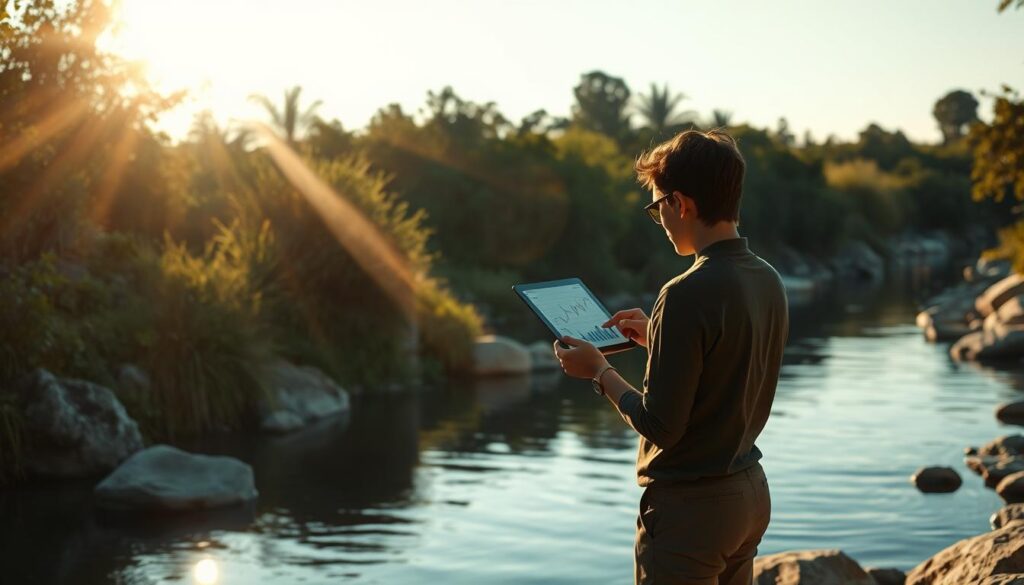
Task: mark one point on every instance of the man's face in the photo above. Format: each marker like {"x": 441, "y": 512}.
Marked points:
{"x": 677, "y": 220}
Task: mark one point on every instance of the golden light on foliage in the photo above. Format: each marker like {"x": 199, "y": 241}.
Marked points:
{"x": 375, "y": 254}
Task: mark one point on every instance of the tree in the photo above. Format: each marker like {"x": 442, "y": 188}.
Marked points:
{"x": 601, "y": 102}
{"x": 721, "y": 118}
{"x": 289, "y": 120}
{"x": 999, "y": 151}
{"x": 658, "y": 110}
{"x": 953, "y": 112}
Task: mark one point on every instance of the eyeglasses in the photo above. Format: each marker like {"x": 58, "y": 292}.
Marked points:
{"x": 654, "y": 210}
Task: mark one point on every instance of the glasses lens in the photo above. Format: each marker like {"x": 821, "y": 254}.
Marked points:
{"x": 655, "y": 213}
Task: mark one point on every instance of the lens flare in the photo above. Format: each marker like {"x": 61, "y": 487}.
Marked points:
{"x": 205, "y": 572}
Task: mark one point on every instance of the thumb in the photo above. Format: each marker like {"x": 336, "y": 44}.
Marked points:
{"x": 569, "y": 340}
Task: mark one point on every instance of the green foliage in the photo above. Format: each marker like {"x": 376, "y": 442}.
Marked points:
{"x": 999, "y": 151}
{"x": 447, "y": 326}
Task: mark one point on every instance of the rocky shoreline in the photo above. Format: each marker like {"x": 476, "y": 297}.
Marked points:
{"x": 983, "y": 317}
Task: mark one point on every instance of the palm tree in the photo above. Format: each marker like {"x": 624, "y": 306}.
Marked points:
{"x": 720, "y": 118}
{"x": 288, "y": 119}
{"x": 659, "y": 109}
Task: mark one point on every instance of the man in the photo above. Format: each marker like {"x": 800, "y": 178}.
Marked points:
{"x": 714, "y": 340}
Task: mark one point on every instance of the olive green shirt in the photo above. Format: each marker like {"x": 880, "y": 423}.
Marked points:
{"x": 715, "y": 342}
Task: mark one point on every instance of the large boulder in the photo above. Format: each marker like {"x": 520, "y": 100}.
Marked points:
{"x": 936, "y": 479}
{"x": 496, "y": 355}
{"x": 1006, "y": 514}
{"x": 1013, "y": 579}
{"x": 542, "y": 356}
{"x": 999, "y": 293}
{"x": 165, "y": 478}
{"x": 999, "y": 552}
{"x": 817, "y": 567}
{"x": 298, "y": 396}
{"x": 74, "y": 428}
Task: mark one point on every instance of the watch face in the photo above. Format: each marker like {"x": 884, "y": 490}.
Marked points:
{"x": 597, "y": 386}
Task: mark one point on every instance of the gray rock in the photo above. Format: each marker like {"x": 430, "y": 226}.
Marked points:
{"x": 1011, "y": 412}
{"x": 542, "y": 356}
{"x": 818, "y": 567}
{"x": 75, "y": 428}
{"x": 972, "y": 560}
{"x": 497, "y": 355}
{"x": 857, "y": 260}
{"x": 1011, "y": 488}
{"x": 887, "y": 576}
{"x": 1006, "y": 514}
{"x": 299, "y": 395}
{"x": 165, "y": 478}
{"x": 936, "y": 479}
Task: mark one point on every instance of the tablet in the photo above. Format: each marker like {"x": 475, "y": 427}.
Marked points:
{"x": 568, "y": 307}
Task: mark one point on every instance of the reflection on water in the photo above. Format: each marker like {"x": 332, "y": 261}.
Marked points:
{"x": 531, "y": 480}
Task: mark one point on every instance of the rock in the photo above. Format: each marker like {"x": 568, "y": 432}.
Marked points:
{"x": 1014, "y": 579}
{"x": 1011, "y": 312}
{"x": 133, "y": 380}
{"x": 995, "y": 468}
{"x": 1006, "y": 445}
{"x": 497, "y": 355}
{"x": 973, "y": 559}
{"x": 74, "y": 428}
{"x": 1002, "y": 291}
{"x": 998, "y": 342}
{"x": 1011, "y": 412}
{"x": 1006, "y": 514}
{"x": 858, "y": 260}
{"x": 299, "y": 395}
{"x": 936, "y": 479}
{"x": 165, "y": 478}
{"x": 1011, "y": 488}
{"x": 887, "y": 576}
{"x": 542, "y": 356}
{"x": 818, "y": 567}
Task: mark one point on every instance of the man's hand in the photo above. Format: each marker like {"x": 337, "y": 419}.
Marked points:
{"x": 581, "y": 360}
{"x": 632, "y": 323}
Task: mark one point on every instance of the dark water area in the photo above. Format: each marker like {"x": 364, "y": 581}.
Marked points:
{"x": 531, "y": 480}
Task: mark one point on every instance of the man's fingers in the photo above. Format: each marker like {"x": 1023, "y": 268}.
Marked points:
{"x": 623, "y": 314}
{"x": 558, "y": 350}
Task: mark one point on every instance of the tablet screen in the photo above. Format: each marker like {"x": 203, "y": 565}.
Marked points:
{"x": 571, "y": 309}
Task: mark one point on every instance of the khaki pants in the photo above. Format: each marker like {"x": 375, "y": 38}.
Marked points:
{"x": 702, "y": 533}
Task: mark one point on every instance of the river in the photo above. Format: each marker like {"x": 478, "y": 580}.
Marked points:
{"x": 517, "y": 481}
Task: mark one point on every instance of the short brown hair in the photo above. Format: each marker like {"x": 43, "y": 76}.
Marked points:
{"x": 705, "y": 166}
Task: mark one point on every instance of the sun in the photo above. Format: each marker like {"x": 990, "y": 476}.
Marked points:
{"x": 191, "y": 45}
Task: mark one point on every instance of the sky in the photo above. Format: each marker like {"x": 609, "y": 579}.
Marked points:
{"x": 828, "y": 67}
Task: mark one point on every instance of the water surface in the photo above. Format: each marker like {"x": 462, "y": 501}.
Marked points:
{"x": 531, "y": 480}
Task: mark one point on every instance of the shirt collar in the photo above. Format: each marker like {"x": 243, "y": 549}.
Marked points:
{"x": 724, "y": 248}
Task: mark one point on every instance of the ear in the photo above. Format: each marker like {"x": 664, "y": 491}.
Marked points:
{"x": 687, "y": 206}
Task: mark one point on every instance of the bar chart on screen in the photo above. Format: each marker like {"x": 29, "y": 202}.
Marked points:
{"x": 574, "y": 312}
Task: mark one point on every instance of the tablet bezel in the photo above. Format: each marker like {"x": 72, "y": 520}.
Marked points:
{"x": 520, "y": 289}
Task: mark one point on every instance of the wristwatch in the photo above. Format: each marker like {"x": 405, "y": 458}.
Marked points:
{"x": 596, "y": 381}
